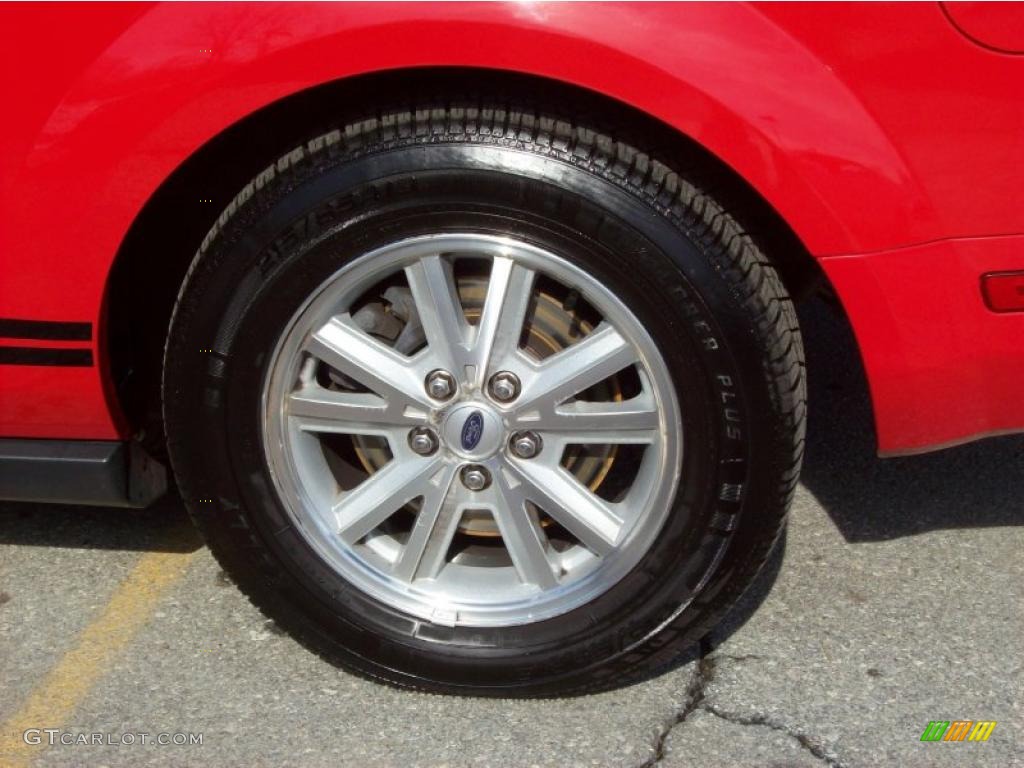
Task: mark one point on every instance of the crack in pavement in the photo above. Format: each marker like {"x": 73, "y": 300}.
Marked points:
{"x": 696, "y": 693}
{"x": 803, "y": 739}
{"x": 703, "y": 674}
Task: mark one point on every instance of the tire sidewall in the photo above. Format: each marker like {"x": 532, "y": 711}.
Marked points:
{"x": 280, "y": 249}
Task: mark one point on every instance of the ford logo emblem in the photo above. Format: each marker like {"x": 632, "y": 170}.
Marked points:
{"x": 472, "y": 430}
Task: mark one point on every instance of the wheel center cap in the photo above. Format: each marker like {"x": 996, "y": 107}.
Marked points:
{"x": 473, "y": 431}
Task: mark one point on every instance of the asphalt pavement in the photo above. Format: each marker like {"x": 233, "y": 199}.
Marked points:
{"x": 894, "y": 600}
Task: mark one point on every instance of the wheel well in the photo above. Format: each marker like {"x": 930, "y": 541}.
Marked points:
{"x": 153, "y": 258}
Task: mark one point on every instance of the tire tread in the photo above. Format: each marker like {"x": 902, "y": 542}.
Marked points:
{"x": 749, "y": 273}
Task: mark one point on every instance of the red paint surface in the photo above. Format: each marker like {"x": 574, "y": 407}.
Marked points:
{"x": 999, "y": 26}
{"x": 870, "y": 128}
{"x": 941, "y": 365}
{"x": 1003, "y": 291}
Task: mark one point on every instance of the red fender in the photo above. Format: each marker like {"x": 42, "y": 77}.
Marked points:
{"x": 809, "y": 106}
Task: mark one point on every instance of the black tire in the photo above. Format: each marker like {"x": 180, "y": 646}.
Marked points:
{"x": 710, "y": 298}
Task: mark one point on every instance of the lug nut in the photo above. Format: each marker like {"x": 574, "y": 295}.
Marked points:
{"x": 504, "y": 386}
{"x": 525, "y": 445}
{"x": 440, "y": 385}
{"x": 423, "y": 441}
{"x": 475, "y": 477}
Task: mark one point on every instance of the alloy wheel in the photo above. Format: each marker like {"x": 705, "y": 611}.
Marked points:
{"x": 472, "y": 429}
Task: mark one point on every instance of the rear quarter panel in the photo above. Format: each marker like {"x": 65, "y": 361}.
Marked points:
{"x": 864, "y": 126}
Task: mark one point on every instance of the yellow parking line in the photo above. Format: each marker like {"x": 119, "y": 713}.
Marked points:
{"x": 55, "y": 699}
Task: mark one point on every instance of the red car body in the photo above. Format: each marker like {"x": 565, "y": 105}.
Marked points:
{"x": 890, "y": 139}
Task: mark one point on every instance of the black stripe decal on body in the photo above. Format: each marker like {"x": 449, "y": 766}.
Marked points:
{"x": 49, "y": 330}
{"x": 68, "y": 358}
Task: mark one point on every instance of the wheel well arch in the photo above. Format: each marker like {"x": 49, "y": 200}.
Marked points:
{"x": 154, "y": 256}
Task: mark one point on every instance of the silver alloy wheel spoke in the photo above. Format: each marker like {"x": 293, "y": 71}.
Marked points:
{"x": 560, "y": 542}
{"x": 501, "y": 321}
{"x": 344, "y": 346}
{"x": 522, "y": 534}
{"x": 588, "y": 517}
{"x": 440, "y": 312}
{"x": 600, "y": 354}
{"x": 431, "y": 536}
{"x": 615, "y": 421}
{"x": 378, "y": 497}
{"x": 324, "y": 410}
